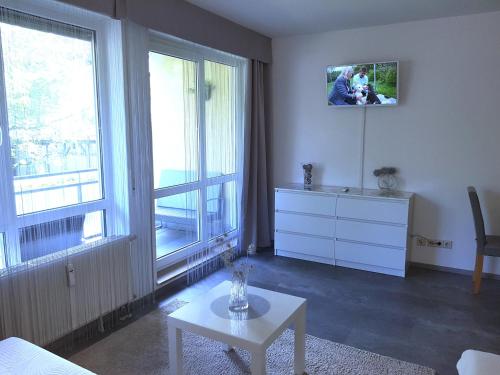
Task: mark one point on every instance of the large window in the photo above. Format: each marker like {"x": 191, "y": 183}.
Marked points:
{"x": 2, "y": 251}
{"x": 53, "y": 194}
{"x": 196, "y": 115}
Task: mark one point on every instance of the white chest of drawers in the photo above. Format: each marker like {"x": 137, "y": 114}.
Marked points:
{"x": 361, "y": 229}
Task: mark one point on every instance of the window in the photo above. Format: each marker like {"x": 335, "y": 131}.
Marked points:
{"x": 175, "y": 151}
{"x": 2, "y": 250}
{"x": 196, "y": 118}
{"x": 52, "y": 157}
{"x": 52, "y": 117}
{"x": 220, "y": 119}
{"x": 222, "y": 209}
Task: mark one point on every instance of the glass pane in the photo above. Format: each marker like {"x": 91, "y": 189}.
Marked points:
{"x": 222, "y": 212}
{"x": 48, "y": 238}
{"x": 2, "y": 251}
{"x": 176, "y": 222}
{"x": 173, "y": 120}
{"x": 53, "y": 121}
{"x": 93, "y": 226}
{"x": 220, "y": 119}
{"x": 43, "y": 192}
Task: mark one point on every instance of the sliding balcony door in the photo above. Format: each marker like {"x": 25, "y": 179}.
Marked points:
{"x": 196, "y": 119}
{"x": 176, "y": 166}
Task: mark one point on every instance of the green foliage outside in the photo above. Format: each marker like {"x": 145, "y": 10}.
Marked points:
{"x": 329, "y": 87}
{"x": 386, "y": 79}
{"x": 51, "y": 105}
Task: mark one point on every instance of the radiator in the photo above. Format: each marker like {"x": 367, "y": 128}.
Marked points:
{"x": 46, "y": 301}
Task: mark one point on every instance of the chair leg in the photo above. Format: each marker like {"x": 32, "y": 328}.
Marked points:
{"x": 478, "y": 270}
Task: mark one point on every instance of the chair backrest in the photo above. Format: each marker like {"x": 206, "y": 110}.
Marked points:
{"x": 478, "y": 218}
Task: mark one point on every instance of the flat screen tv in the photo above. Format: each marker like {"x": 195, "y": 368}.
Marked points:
{"x": 374, "y": 84}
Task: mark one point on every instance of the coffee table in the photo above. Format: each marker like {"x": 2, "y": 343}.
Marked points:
{"x": 269, "y": 314}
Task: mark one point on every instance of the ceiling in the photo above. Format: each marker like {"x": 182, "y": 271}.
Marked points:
{"x": 276, "y": 18}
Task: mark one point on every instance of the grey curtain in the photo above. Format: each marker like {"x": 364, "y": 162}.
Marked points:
{"x": 255, "y": 204}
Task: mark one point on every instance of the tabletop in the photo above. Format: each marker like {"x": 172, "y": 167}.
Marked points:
{"x": 268, "y": 312}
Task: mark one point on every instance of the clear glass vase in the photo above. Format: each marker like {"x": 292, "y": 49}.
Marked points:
{"x": 307, "y": 168}
{"x": 238, "y": 297}
{"x": 387, "y": 182}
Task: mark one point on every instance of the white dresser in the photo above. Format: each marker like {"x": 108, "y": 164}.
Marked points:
{"x": 361, "y": 229}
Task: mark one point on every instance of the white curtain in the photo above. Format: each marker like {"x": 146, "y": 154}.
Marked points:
{"x": 77, "y": 163}
{"x": 141, "y": 204}
{"x": 176, "y": 151}
{"x": 223, "y": 101}
{"x": 72, "y": 246}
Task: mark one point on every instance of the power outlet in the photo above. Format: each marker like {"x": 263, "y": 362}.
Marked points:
{"x": 422, "y": 242}
{"x": 445, "y": 244}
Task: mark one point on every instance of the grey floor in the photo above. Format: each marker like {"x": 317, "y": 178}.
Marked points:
{"x": 429, "y": 318}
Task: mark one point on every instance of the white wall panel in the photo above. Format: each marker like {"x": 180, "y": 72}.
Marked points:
{"x": 441, "y": 137}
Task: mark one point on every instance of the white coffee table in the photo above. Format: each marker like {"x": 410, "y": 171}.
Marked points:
{"x": 270, "y": 313}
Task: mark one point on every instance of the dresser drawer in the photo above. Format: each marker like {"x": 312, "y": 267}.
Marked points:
{"x": 370, "y": 255}
{"x": 309, "y": 203}
{"x": 389, "y": 211}
{"x": 310, "y": 246}
{"x": 383, "y": 234}
{"x": 314, "y": 225}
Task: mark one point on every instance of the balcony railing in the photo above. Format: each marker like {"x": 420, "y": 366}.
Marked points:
{"x": 52, "y": 190}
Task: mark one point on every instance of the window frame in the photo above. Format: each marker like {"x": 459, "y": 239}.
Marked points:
{"x": 12, "y": 223}
{"x": 171, "y": 46}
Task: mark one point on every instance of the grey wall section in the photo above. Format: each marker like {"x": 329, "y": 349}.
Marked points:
{"x": 186, "y": 21}
{"x": 106, "y": 7}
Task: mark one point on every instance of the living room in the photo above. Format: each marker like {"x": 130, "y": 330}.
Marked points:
{"x": 181, "y": 186}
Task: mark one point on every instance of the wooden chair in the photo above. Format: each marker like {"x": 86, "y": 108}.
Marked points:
{"x": 486, "y": 245}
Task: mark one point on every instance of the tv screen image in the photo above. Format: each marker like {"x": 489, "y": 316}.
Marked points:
{"x": 362, "y": 84}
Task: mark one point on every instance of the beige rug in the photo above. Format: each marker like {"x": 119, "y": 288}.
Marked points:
{"x": 142, "y": 348}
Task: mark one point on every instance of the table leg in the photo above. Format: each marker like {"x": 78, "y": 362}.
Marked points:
{"x": 175, "y": 350}
{"x": 299, "y": 363}
{"x": 258, "y": 366}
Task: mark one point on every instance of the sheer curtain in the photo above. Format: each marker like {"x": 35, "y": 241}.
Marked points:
{"x": 139, "y": 124}
{"x": 79, "y": 192}
{"x": 220, "y": 118}
{"x": 176, "y": 150}
{"x": 222, "y": 130}
{"x": 236, "y": 143}
{"x": 67, "y": 258}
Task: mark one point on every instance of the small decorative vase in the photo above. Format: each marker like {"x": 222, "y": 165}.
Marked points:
{"x": 238, "y": 297}
{"x": 307, "y": 176}
{"x": 387, "y": 182}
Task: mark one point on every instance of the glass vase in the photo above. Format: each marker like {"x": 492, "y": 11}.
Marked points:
{"x": 307, "y": 169}
{"x": 238, "y": 297}
{"x": 387, "y": 182}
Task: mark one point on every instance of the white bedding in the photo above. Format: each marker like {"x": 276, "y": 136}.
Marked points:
{"x": 21, "y": 357}
{"x": 474, "y": 362}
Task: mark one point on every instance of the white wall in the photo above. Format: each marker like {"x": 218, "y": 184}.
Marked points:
{"x": 444, "y": 135}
